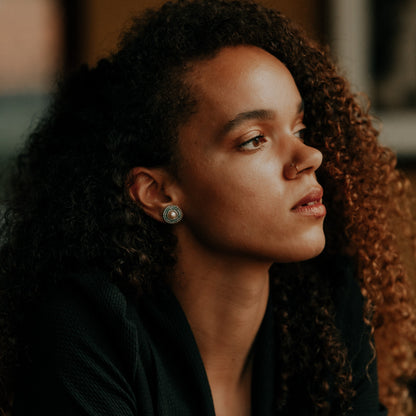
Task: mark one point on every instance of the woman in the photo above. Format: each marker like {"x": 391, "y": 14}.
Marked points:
{"x": 203, "y": 224}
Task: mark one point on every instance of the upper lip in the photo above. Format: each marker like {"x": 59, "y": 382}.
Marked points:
{"x": 315, "y": 195}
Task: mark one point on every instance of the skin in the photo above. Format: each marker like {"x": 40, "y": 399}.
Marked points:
{"x": 243, "y": 168}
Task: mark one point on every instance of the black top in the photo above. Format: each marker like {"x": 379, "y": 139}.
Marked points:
{"x": 98, "y": 353}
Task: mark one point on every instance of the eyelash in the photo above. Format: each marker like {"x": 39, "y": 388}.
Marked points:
{"x": 300, "y": 134}
{"x": 259, "y": 139}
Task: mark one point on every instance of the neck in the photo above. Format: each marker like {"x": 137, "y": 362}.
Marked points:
{"x": 224, "y": 300}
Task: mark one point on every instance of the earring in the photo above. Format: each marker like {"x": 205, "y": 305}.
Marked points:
{"x": 172, "y": 214}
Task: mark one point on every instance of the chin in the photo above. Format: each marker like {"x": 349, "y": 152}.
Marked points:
{"x": 301, "y": 252}
{"x": 315, "y": 253}
{"x": 313, "y": 245}
{"x": 313, "y": 250}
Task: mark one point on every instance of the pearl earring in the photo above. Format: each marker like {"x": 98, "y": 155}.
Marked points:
{"x": 172, "y": 214}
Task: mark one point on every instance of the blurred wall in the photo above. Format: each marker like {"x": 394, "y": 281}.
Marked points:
{"x": 31, "y": 52}
{"x": 30, "y": 44}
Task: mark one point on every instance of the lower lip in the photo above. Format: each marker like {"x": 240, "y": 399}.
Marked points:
{"x": 316, "y": 210}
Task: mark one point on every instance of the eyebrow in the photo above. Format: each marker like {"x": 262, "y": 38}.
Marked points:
{"x": 253, "y": 115}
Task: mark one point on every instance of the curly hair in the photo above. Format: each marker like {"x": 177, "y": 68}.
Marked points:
{"x": 68, "y": 207}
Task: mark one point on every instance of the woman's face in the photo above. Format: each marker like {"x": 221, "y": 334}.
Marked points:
{"x": 247, "y": 181}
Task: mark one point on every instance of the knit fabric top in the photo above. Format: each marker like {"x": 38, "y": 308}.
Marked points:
{"x": 96, "y": 352}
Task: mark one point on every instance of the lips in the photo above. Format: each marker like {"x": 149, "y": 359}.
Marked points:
{"x": 311, "y": 204}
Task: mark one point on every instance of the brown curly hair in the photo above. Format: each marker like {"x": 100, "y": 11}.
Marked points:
{"x": 68, "y": 208}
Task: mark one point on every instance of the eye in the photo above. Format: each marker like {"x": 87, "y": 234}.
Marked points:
{"x": 300, "y": 134}
{"x": 253, "y": 143}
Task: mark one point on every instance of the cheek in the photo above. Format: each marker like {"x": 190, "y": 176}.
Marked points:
{"x": 228, "y": 189}
{"x": 211, "y": 196}
{"x": 231, "y": 204}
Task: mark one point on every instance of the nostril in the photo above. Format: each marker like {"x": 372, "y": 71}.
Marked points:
{"x": 291, "y": 170}
{"x": 294, "y": 166}
{"x": 308, "y": 160}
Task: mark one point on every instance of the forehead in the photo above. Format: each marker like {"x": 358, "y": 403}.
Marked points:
{"x": 238, "y": 80}
{"x": 241, "y": 72}
{"x": 233, "y": 62}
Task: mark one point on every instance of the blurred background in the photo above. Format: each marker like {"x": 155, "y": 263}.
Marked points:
{"x": 373, "y": 42}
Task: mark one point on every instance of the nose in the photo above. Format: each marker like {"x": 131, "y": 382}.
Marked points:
{"x": 305, "y": 159}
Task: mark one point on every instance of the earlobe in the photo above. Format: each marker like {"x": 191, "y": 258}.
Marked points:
{"x": 152, "y": 189}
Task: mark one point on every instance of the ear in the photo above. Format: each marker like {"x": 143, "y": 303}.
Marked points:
{"x": 153, "y": 189}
